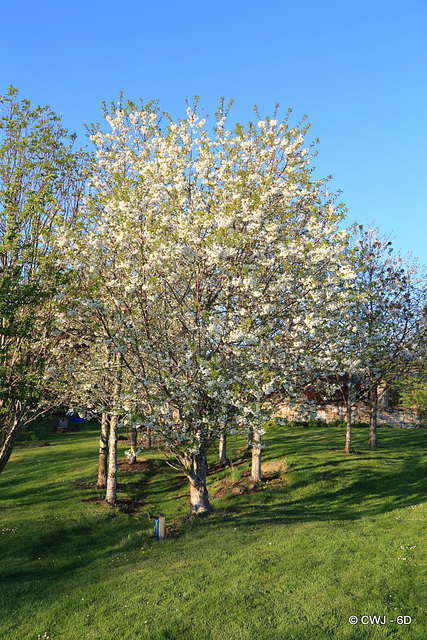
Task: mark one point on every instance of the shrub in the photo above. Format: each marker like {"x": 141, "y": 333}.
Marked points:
{"x": 337, "y": 423}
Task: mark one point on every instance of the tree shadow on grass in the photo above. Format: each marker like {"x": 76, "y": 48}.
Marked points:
{"x": 336, "y": 492}
{"x": 313, "y": 440}
{"x": 339, "y": 488}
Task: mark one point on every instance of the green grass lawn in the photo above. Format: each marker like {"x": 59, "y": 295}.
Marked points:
{"x": 330, "y": 537}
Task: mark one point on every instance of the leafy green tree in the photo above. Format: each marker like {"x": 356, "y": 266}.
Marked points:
{"x": 41, "y": 181}
{"x": 416, "y": 396}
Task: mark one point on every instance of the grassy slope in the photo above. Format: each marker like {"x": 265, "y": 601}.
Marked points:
{"x": 290, "y": 561}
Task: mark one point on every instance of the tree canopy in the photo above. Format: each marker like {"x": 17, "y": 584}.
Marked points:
{"x": 210, "y": 261}
{"x": 41, "y": 181}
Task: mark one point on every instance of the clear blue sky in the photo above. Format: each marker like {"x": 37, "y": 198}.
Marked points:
{"x": 358, "y": 68}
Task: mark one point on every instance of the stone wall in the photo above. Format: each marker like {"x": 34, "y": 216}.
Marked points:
{"x": 399, "y": 417}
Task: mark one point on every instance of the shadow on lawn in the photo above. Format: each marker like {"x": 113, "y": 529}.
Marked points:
{"x": 50, "y": 562}
{"x": 314, "y": 440}
{"x": 325, "y": 497}
{"x": 336, "y": 488}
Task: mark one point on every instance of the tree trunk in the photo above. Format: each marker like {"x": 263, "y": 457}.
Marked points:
{"x": 197, "y": 469}
{"x": 133, "y": 446}
{"x": 256, "y": 457}
{"x": 111, "y": 494}
{"x": 373, "y": 418}
{"x": 7, "y": 446}
{"x": 18, "y": 410}
{"x": 223, "y": 460}
{"x": 349, "y": 405}
{"x": 250, "y": 438}
{"x": 103, "y": 452}
{"x": 148, "y": 440}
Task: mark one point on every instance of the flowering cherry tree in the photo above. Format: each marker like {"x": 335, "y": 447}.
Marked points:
{"x": 88, "y": 375}
{"x": 385, "y": 317}
{"x": 87, "y": 378}
{"x": 210, "y": 260}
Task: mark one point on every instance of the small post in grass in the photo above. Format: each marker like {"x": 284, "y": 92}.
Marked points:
{"x": 160, "y": 525}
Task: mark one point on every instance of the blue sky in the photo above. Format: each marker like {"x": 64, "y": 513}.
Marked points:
{"x": 358, "y": 68}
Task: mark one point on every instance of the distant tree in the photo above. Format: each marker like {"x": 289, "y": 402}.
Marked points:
{"x": 412, "y": 389}
{"x": 41, "y": 182}
{"x": 82, "y": 380}
{"x": 386, "y": 321}
{"x": 414, "y": 394}
{"x": 87, "y": 373}
{"x": 213, "y": 260}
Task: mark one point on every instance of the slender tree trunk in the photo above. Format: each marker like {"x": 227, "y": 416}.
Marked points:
{"x": 349, "y": 416}
{"x": 18, "y": 410}
{"x": 256, "y": 457}
{"x": 133, "y": 445}
{"x": 197, "y": 469}
{"x": 373, "y": 418}
{"x": 148, "y": 439}
{"x": 103, "y": 452}
{"x": 7, "y": 446}
{"x": 111, "y": 494}
{"x": 250, "y": 438}
{"x": 223, "y": 460}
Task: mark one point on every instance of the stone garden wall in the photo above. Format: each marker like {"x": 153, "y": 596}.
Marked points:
{"x": 399, "y": 417}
